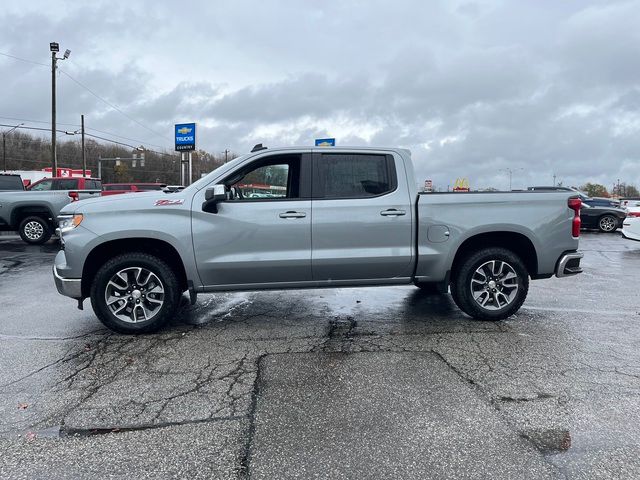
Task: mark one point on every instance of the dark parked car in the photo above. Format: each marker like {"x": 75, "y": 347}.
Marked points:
{"x": 599, "y": 213}
{"x": 602, "y": 202}
{"x": 10, "y": 181}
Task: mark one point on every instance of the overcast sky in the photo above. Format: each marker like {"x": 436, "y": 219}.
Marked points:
{"x": 472, "y": 88}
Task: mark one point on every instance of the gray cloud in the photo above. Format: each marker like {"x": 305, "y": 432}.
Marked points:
{"x": 473, "y": 88}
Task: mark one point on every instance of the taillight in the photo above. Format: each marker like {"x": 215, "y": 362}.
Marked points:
{"x": 633, "y": 214}
{"x": 74, "y": 196}
{"x": 575, "y": 204}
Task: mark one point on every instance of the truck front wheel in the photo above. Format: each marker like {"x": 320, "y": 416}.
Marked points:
{"x": 34, "y": 230}
{"x": 135, "y": 293}
{"x": 491, "y": 284}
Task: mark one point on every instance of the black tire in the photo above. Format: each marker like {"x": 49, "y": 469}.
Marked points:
{"x": 34, "y": 230}
{"x": 607, "y": 223}
{"x": 149, "y": 263}
{"x": 429, "y": 288}
{"x": 513, "y": 298}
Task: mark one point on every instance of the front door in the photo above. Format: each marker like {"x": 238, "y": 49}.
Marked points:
{"x": 262, "y": 233}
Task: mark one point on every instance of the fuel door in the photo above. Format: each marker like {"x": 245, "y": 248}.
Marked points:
{"x": 438, "y": 233}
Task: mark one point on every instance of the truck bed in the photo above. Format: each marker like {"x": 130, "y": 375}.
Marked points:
{"x": 447, "y": 219}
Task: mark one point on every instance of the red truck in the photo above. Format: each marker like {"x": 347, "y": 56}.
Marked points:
{"x": 118, "y": 188}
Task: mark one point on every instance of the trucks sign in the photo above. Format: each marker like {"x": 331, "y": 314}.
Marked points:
{"x": 185, "y": 137}
{"x": 325, "y": 142}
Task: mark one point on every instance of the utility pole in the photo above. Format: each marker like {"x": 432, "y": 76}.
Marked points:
{"x": 554, "y": 179}
{"x": 54, "y": 160}
{"x": 4, "y": 146}
{"x": 55, "y": 48}
{"x": 84, "y": 156}
{"x": 226, "y": 153}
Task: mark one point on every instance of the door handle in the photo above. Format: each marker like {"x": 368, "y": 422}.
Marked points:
{"x": 292, "y": 214}
{"x": 392, "y": 212}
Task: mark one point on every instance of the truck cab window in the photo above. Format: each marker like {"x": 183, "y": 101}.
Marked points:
{"x": 44, "y": 185}
{"x": 338, "y": 175}
{"x": 67, "y": 184}
{"x": 268, "y": 179}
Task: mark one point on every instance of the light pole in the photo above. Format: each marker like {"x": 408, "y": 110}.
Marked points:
{"x": 510, "y": 171}
{"x": 4, "y": 146}
{"x": 54, "y": 48}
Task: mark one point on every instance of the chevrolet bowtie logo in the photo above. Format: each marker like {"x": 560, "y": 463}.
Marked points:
{"x": 184, "y": 130}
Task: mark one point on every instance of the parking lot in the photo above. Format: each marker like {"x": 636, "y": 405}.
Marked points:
{"x": 352, "y": 383}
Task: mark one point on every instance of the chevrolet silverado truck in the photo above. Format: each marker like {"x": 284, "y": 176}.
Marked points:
{"x": 311, "y": 218}
{"x": 33, "y": 213}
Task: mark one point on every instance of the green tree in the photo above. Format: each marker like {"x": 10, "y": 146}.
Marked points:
{"x": 595, "y": 190}
{"x": 121, "y": 173}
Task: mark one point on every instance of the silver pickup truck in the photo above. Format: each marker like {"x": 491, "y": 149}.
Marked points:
{"x": 33, "y": 213}
{"x": 311, "y": 218}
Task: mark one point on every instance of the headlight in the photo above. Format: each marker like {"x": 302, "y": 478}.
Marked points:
{"x": 67, "y": 223}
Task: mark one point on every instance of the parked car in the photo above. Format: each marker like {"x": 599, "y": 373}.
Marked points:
{"x": 543, "y": 188}
{"x": 33, "y": 213}
{"x": 118, "y": 188}
{"x": 173, "y": 188}
{"x": 594, "y": 214}
{"x": 66, "y": 184}
{"x": 135, "y": 255}
{"x": 631, "y": 228}
{"x": 602, "y": 202}
{"x": 11, "y": 182}
{"x": 626, "y": 202}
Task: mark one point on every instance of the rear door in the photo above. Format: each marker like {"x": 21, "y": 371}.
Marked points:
{"x": 362, "y": 217}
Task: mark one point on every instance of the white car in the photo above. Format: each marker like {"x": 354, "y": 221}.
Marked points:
{"x": 631, "y": 228}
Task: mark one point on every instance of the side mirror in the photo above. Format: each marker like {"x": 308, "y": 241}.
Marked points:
{"x": 212, "y": 196}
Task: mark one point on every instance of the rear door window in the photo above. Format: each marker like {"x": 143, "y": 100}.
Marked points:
{"x": 66, "y": 184}
{"x": 10, "y": 182}
{"x": 346, "y": 175}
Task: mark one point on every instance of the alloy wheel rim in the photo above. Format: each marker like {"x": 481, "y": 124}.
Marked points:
{"x": 33, "y": 230}
{"x": 134, "y": 294}
{"x": 494, "y": 285}
{"x": 607, "y": 223}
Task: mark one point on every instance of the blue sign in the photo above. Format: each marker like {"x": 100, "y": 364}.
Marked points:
{"x": 185, "y": 137}
{"x": 325, "y": 142}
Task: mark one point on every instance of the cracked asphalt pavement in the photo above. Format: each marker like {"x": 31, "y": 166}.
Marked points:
{"x": 351, "y": 383}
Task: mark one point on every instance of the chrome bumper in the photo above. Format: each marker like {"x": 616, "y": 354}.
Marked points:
{"x": 569, "y": 264}
{"x": 69, "y": 287}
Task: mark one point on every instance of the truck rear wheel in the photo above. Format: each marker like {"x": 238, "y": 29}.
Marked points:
{"x": 491, "y": 284}
{"x": 135, "y": 293}
{"x": 34, "y": 230}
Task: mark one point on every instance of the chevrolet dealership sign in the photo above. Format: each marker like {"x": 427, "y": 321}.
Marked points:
{"x": 185, "y": 136}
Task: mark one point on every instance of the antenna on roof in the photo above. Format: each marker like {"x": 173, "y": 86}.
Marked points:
{"x": 258, "y": 147}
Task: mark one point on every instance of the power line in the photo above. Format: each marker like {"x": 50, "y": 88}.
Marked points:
{"x": 88, "y": 128}
{"x": 90, "y": 135}
{"x": 112, "y": 105}
{"x": 78, "y": 82}
{"x": 23, "y": 59}
{"x": 40, "y": 121}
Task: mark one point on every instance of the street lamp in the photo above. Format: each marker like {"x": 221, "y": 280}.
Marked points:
{"x": 510, "y": 172}
{"x": 4, "y": 145}
{"x": 54, "y": 48}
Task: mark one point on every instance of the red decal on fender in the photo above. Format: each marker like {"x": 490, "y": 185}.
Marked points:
{"x": 167, "y": 202}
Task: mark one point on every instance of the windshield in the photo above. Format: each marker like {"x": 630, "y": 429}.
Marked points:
{"x": 197, "y": 185}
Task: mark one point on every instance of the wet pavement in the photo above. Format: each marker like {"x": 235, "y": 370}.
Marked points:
{"x": 351, "y": 383}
